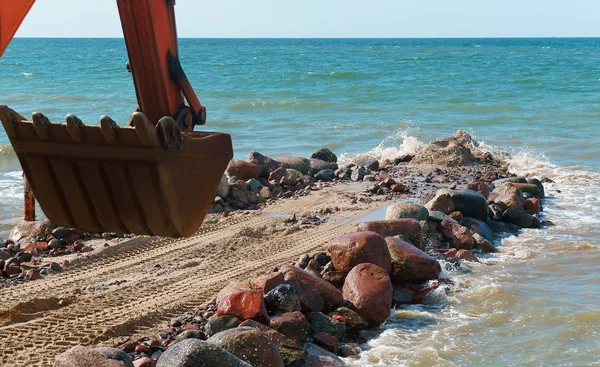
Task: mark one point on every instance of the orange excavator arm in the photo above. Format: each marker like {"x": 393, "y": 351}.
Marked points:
{"x": 12, "y": 13}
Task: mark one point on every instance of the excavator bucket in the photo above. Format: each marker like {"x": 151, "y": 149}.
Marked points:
{"x": 146, "y": 178}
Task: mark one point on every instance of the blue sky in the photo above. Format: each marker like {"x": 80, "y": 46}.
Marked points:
{"x": 331, "y": 18}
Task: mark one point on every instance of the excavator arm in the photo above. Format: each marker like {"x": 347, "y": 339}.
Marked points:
{"x": 155, "y": 176}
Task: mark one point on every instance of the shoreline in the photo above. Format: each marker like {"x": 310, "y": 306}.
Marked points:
{"x": 420, "y": 180}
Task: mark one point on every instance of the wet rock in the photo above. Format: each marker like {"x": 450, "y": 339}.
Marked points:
{"x": 315, "y": 293}
{"x": 409, "y": 264}
{"x": 406, "y": 210}
{"x": 61, "y": 232}
{"x": 352, "y": 249}
{"x": 97, "y": 357}
{"x": 354, "y": 322}
{"x": 532, "y": 206}
{"x": 300, "y": 164}
{"x": 26, "y": 232}
{"x": 244, "y": 305}
{"x": 291, "y": 324}
{"x": 291, "y": 353}
{"x": 5, "y": 254}
{"x": 264, "y": 163}
{"x": 282, "y": 299}
{"x": 323, "y": 358}
{"x": 402, "y": 297}
{"x": 483, "y": 244}
{"x": 303, "y": 261}
{"x": 521, "y": 219}
{"x": 369, "y": 289}
{"x": 528, "y": 188}
{"x": 322, "y": 258}
{"x": 349, "y": 350}
{"x": 466, "y": 255}
{"x": 408, "y": 227}
{"x": 267, "y": 282}
{"x": 190, "y": 334}
{"x": 198, "y": 353}
{"x": 325, "y": 175}
{"x": 509, "y": 195}
{"x": 370, "y": 164}
{"x": 470, "y": 203}
{"x": 221, "y": 323}
{"x": 358, "y": 174}
{"x": 442, "y": 202}
{"x": 500, "y": 227}
{"x": 540, "y": 186}
{"x": 459, "y": 236}
{"x": 327, "y": 341}
{"x": 479, "y": 227}
{"x": 324, "y": 154}
{"x": 249, "y": 345}
{"x": 223, "y": 188}
{"x": 321, "y": 323}
{"x": 480, "y": 187}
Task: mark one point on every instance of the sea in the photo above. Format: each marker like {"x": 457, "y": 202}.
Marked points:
{"x": 534, "y": 303}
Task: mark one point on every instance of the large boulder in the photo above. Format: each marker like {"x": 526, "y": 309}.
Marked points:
{"x": 198, "y": 353}
{"x": 354, "y": 322}
{"x": 409, "y": 264}
{"x": 266, "y": 164}
{"x": 220, "y": 323}
{"x": 407, "y": 227}
{"x": 459, "y": 236}
{"x": 80, "y": 356}
{"x": 243, "y": 170}
{"x": 291, "y": 353}
{"x": 282, "y": 299}
{"x": 324, "y": 154}
{"x": 406, "y": 210}
{"x": 509, "y": 195}
{"x": 325, "y": 175}
{"x": 244, "y": 305}
{"x": 453, "y": 151}
{"x": 521, "y": 219}
{"x": 369, "y": 289}
{"x": 370, "y": 164}
{"x": 315, "y": 293}
{"x": 479, "y": 227}
{"x": 442, "y": 202}
{"x": 481, "y": 187}
{"x": 267, "y": 282}
{"x": 298, "y": 163}
{"x": 317, "y": 165}
{"x": 249, "y": 345}
{"x": 540, "y": 186}
{"x": 529, "y": 188}
{"x": 351, "y": 249}
{"x": 292, "y": 324}
{"x": 26, "y": 232}
{"x": 470, "y": 203}
{"x": 321, "y": 323}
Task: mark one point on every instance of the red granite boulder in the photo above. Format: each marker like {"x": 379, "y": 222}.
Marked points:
{"x": 315, "y": 294}
{"x": 244, "y": 305}
{"x": 243, "y": 170}
{"x": 408, "y": 227}
{"x": 409, "y": 264}
{"x": 369, "y": 289}
{"x": 291, "y": 324}
{"x": 480, "y": 187}
{"x": 459, "y": 236}
{"x": 352, "y": 249}
{"x": 267, "y": 282}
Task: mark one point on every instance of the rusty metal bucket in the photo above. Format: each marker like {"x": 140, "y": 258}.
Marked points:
{"x": 142, "y": 179}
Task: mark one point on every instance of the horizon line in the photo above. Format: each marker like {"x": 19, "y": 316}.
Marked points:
{"x": 255, "y": 38}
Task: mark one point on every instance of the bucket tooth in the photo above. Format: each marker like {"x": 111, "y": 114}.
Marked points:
{"x": 74, "y": 125}
{"x": 107, "y": 127}
{"x": 40, "y": 125}
{"x": 145, "y": 130}
{"x": 170, "y": 133}
{"x": 10, "y": 118}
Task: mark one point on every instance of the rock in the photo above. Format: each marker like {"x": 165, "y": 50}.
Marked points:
{"x": 349, "y": 350}
{"x": 264, "y": 163}
{"x": 244, "y": 305}
{"x": 358, "y": 174}
{"x": 267, "y": 282}
{"x": 540, "y": 186}
{"x": 459, "y": 236}
{"x": 254, "y": 185}
{"x": 221, "y": 323}
{"x": 354, "y": 322}
{"x": 324, "y": 154}
{"x": 61, "y": 232}
{"x": 190, "y": 334}
{"x": 243, "y": 170}
{"x": 470, "y": 203}
{"x": 5, "y": 254}
{"x": 479, "y": 227}
{"x": 529, "y": 188}
{"x": 327, "y": 341}
{"x": 321, "y": 323}
{"x": 406, "y": 210}
{"x": 233, "y": 288}
{"x": 483, "y": 244}
{"x": 317, "y": 165}
{"x": 402, "y": 297}
{"x": 438, "y": 217}
{"x": 32, "y": 247}
{"x": 32, "y": 274}
{"x": 509, "y": 195}
{"x": 322, "y": 258}
{"x": 11, "y": 270}
{"x": 80, "y": 356}
{"x": 303, "y": 261}
{"x": 282, "y": 299}
{"x": 300, "y": 164}
{"x": 352, "y": 249}
{"x": 291, "y": 353}
{"x": 532, "y": 206}
{"x": 500, "y": 227}
{"x": 144, "y": 362}
{"x": 198, "y": 353}
{"x": 223, "y": 188}
{"x": 325, "y": 175}
{"x": 293, "y": 176}
{"x": 315, "y": 293}
{"x": 521, "y": 219}
{"x": 408, "y": 227}
{"x": 249, "y": 345}
{"x": 291, "y": 324}
{"x": 442, "y": 202}
{"x": 26, "y": 232}
{"x": 278, "y": 174}
{"x": 265, "y": 193}
{"x": 456, "y": 216}
{"x": 400, "y": 188}
{"x": 450, "y": 152}
{"x": 466, "y": 255}
{"x": 409, "y": 264}
{"x": 369, "y": 289}
{"x": 480, "y": 187}
{"x": 370, "y": 164}
{"x": 319, "y": 357}
{"x": 336, "y": 278}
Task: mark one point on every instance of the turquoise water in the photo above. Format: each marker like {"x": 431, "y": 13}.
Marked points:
{"x": 532, "y": 304}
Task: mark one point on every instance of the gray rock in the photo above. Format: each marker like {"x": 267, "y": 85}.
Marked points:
{"x": 324, "y": 357}
{"x": 406, "y": 210}
{"x": 298, "y": 163}
{"x": 266, "y": 164}
{"x": 358, "y": 174}
{"x": 442, "y": 202}
{"x": 254, "y": 185}
{"x": 5, "y": 254}
{"x": 223, "y": 188}
{"x": 479, "y": 227}
{"x": 500, "y": 227}
{"x": 321, "y": 323}
{"x": 249, "y": 345}
{"x": 221, "y": 323}
{"x": 470, "y": 203}
{"x": 198, "y": 353}
{"x": 325, "y": 175}
{"x": 439, "y": 216}
{"x": 325, "y": 155}
{"x": 80, "y": 356}
{"x": 371, "y": 164}
{"x": 402, "y": 297}
{"x": 27, "y": 232}
{"x": 317, "y": 165}
{"x": 61, "y": 232}
{"x": 521, "y": 219}
{"x": 540, "y": 186}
